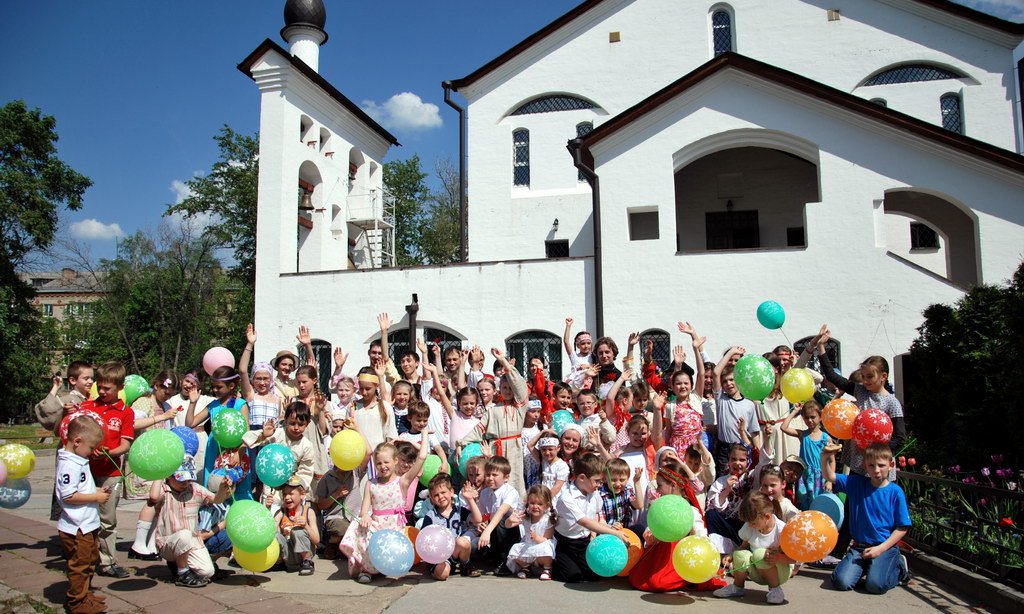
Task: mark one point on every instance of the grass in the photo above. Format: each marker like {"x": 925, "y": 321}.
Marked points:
{"x": 29, "y": 435}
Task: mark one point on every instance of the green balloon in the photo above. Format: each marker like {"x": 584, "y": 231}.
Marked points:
{"x": 156, "y": 454}
{"x": 228, "y": 427}
{"x": 134, "y": 387}
{"x": 754, "y": 376}
{"x": 250, "y": 526}
{"x": 431, "y": 467}
{"x": 670, "y": 518}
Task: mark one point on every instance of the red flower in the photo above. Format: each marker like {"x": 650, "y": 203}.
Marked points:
{"x": 903, "y": 461}
{"x": 911, "y": 461}
{"x": 1006, "y": 522}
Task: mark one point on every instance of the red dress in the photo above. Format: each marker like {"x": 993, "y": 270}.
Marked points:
{"x": 655, "y": 573}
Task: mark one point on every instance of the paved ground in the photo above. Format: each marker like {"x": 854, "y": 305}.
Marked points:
{"x": 30, "y": 563}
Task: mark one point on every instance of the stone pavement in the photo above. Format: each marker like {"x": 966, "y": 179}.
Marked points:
{"x": 31, "y": 572}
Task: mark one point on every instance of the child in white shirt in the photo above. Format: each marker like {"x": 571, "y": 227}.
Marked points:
{"x": 759, "y": 557}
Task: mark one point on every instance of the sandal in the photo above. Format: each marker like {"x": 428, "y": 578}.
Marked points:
{"x": 521, "y": 574}
{"x": 545, "y": 575}
{"x": 364, "y": 578}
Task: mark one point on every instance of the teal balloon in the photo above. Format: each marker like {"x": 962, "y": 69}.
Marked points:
{"x": 134, "y": 387}
{"x": 391, "y": 552}
{"x": 754, "y": 376}
{"x": 561, "y": 419}
{"x": 670, "y": 518}
{"x": 771, "y": 315}
{"x": 275, "y": 464}
{"x": 830, "y": 505}
{"x": 156, "y": 454}
{"x": 228, "y": 427}
{"x": 431, "y": 467}
{"x": 15, "y": 493}
{"x": 250, "y": 526}
{"x": 607, "y": 555}
{"x": 468, "y": 452}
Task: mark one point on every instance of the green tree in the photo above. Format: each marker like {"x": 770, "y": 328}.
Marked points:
{"x": 438, "y": 239}
{"x": 406, "y": 182}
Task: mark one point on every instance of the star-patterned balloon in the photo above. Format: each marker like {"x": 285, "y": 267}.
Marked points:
{"x": 809, "y": 536}
{"x": 695, "y": 559}
{"x": 275, "y": 464}
{"x": 189, "y": 438}
{"x": 3, "y": 473}
{"x": 606, "y": 555}
{"x": 228, "y": 427}
{"x": 838, "y": 416}
{"x": 62, "y": 430}
{"x": 391, "y": 552}
{"x": 435, "y": 543}
{"x": 156, "y": 454}
{"x": 754, "y": 377}
{"x": 871, "y": 426}
{"x": 15, "y": 494}
{"x": 20, "y": 460}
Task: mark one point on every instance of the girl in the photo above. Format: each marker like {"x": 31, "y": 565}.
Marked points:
{"x": 343, "y": 386}
{"x": 401, "y": 396}
{"x": 383, "y": 506}
{"x": 570, "y": 443}
{"x": 638, "y": 451}
{"x": 374, "y": 420}
{"x": 760, "y": 532}
{"x": 812, "y": 441}
{"x": 773, "y": 486}
{"x": 537, "y": 525}
{"x": 724, "y": 498}
{"x": 532, "y": 427}
{"x": 224, "y": 384}
{"x": 464, "y": 421}
{"x": 683, "y": 423}
{"x": 554, "y": 472}
{"x": 191, "y": 381}
{"x": 699, "y": 467}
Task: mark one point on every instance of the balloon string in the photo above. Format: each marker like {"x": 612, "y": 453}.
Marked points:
{"x": 115, "y": 463}
{"x": 784, "y": 336}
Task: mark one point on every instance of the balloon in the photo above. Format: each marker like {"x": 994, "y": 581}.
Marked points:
{"x": 217, "y": 357}
{"x": 228, "y": 427}
{"x": 3, "y": 473}
{"x": 838, "y": 416}
{"x": 797, "y": 385}
{"x": 348, "y": 449}
{"x": 695, "y": 559}
{"x": 134, "y": 387}
{"x": 156, "y": 454}
{"x": 634, "y": 550}
{"x": 431, "y": 467}
{"x": 831, "y": 505}
{"x": 62, "y": 430}
{"x": 189, "y": 438}
{"x": 470, "y": 451}
{"x": 20, "y": 460}
{"x": 809, "y": 536}
{"x": 250, "y": 526}
{"x": 15, "y": 494}
{"x": 871, "y": 426}
{"x": 94, "y": 394}
{"x": 670, "y": 518}
{"x": 435, "y": 543}
{"x": 607, "y": 555}
{"x": 561, "y": 419}
{"x": 411, "y": 533}
{"x": 771, "y": 315}
{"x": 123, "y": 397}
{"x": 391, "y": 552}
{"x": 258, "y": 561}
{"x": 754, "y": 376}
{"x": 275, "y": 463}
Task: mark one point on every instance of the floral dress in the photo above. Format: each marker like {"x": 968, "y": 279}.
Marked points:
{"x": 687, "y": 427}
{"x": 387, "y": 504}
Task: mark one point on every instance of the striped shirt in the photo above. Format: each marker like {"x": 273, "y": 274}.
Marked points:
{"x": 180, "y": 511}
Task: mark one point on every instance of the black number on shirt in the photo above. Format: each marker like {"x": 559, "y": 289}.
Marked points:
{"x": 65, "y": 479}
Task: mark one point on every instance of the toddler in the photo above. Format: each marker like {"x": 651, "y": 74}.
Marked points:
{"x": 537, "y": 527}
{"x": 759, "y": 558}
{"x": 297, "y": 531}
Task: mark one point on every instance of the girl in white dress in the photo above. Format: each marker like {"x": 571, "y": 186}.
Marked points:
{"x": 537, "y": 525}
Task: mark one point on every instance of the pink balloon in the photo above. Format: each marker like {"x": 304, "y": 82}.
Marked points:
{"x": 435, "y": 543}
{"x": 217, "y": 357}
{"x": 3, "y": 473}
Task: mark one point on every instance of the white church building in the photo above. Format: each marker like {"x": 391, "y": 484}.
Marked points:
{"x": 639, "y": 162}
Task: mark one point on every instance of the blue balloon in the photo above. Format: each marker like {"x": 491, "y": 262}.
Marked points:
{"x": 189, "y": 438}
{"x": 771, "y": 315}
{"x": 830, "y": 505}
{"x": 607, "y": 555}
{"x": 468, "y": 452}
{"x": 15, "y": 493}
{"x": 391, "y": 552}
{"x": 561, "y": 419}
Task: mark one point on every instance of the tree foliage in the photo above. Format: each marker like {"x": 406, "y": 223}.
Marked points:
{"x": 407, "y": 184}
{"x": 427, "y": 223}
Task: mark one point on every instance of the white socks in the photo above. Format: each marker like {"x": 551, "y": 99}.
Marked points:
{"x": 145, "y": 538}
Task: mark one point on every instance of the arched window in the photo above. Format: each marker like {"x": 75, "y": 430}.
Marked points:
{"x": 531, "y": 343}
{"x": 721, "y": 31}
{"x": 662, "y": 351}
{"x": 398, "y": 342}
{"x": 521, "y": 157}
{"x": 553, "y": 103}
{"x": 443, "y": 338}
{"x": 911, "y": 73}
{"x": 831, "y": 348}
{"x": 952, "y": 113}
{"x": 582, "y": 130}
{"x": 325, "y": 366}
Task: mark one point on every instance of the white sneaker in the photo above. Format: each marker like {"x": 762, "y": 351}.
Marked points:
{"x": 730, "y": 591}
{"x": 904, "y": 571}
{"x": 775, "y": 596}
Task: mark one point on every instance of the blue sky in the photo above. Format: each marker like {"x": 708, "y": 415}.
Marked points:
{"x": 139, "y": 88}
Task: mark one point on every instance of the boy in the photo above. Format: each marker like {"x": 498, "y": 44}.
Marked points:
{"x": 297, "y": 530}
{"x": 455, "y": 514}
{"x": 212, "y": 529}
{"x": 419, "y": 419}
{"x": 497, "y": 502}
{"x": 879, "y": 519}
{"x": 106, "y": 459}
{"x": 618, "y": 500}
{"x": 338, "y": 499}
{"x": 578, "y": 510}
{"x": 51, "y": 410}
{"x": 79, "y": 520}
{"x": 296, "y": 418}
{"x": 731, "y": 405}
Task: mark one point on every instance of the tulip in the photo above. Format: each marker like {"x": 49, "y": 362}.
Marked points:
{"x": 1011, "y": 485}
{"x": 985, "y": 472}
{"x": 911, "y": 461}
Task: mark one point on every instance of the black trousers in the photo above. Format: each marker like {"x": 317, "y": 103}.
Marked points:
{"x": 571, "y": 559}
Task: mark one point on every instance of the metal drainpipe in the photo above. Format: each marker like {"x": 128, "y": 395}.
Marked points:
{"x": 463, "y": 211}
{"x": 411, "y": 309}
{"x": 575, "y": 147}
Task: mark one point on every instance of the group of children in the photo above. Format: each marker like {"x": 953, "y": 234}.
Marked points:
{"x": 522, "y": 488}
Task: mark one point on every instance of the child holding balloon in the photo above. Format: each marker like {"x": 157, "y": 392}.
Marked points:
{"x": 812, "y": 441}
{"x": 224, "y": 384}
{"x": 759, "y": 557}
{"x": 296, "y": 420}
{"x": 456, "y": 514}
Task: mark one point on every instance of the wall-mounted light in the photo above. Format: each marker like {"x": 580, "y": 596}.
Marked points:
{"x": 554, "y": 225}
{"x": 728, "y": 205}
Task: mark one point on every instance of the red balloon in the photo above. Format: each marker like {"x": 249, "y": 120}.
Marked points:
{"x": 871, "y": 426}
{"x": 62, "y": 431}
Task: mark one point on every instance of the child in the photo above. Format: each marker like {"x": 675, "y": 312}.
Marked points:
{"x": 106, "y": 459}
{"x": 212, "y": 529}
{"x": 578, "y": 515}
{"x": 383, "y": 506}
{"x": 475, "y": 470}
{"x": 297, "y": 531}
{"x": 638, "y": 452}
{"x": 374, "y": 419}
{"x": 79, "y": 521}
{"x": 497, "y": 502}
{"x": 773, "y": 485}
{"x": 554, "y": 472}
{"x": 879, "y": 519}
{"x": 51, "y": 410}
{"x": 731, "y": 406}
{"x": 699, "y": 468}
{"x": 724, "y": 498}
{"x": 292, "y": 434}
{"x": 591, "y": 415}
{"x": 812, "y": 441}
{"x": 418, "y": 419}
{"x": 537, "y": 526}
{"x": 619, "y": 502}
{"x": 532, "y": 427}
{"x": 224, "y": 383}
{"x": 761, "y": 531}
{"x": 177, "y": 524}
{"x": 457, "y": 514}
{"x": 337, "y": 498}
{"x": 580, "y": 350}
{"x": 401, "y": 397}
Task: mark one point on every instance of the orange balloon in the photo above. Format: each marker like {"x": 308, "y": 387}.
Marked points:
{"x": 634, "y": 550}
{"x": 809, "y": 536}
{"x": 411, "y": 532}
{"x": 838, "y": 417}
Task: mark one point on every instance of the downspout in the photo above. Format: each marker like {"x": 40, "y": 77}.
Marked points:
{"x": 412, "y": 309}
{"x": 575, "y": 147}
{"x": 463, "y": 210}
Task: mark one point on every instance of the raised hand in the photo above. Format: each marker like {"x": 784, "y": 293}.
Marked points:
{"x": 568, "y": 322}
{"x": 627, "y": 375}
{"x": 497, "y": 353}
{"x": 421, "y": 345}
{"x": 660, "y": 400}
{"x": 634, "y": 338}
{"x": 340, "y": 357}
{"x": 384, "y": 321}
{"x": 679, "y": 354}
{"x": 268, "y": 428}
{"x": 687, "y": 328}
{"x": 250, "y": 334}
{"x": 303, "y": 335}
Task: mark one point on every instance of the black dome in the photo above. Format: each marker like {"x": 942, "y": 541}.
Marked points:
{"x": 305, "y": 13}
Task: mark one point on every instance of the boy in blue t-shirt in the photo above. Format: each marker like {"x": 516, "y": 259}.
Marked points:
{"x": 879, "y": 519}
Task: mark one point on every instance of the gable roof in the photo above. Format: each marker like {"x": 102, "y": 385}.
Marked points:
{"x": 268, "y": 45}
{"x": 814, "y": 89}
{"x": 958, "y": 10}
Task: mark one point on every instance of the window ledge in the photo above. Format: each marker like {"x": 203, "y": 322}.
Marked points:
{"x": 741, "y": 250}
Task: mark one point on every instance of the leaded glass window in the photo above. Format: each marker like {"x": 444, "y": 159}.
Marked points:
{"x": 721, "y": 32}
{"x": 444, "y": 340}
{"x": 521, "y": 157}
{"x": 923, "y": 236}
{"x": 322, "y": 353}
{"x": 952, "y": 113}
{"x": 910, "y": 73}
{"x": 831, "y": 348}
{"x": 662, "y": 350}
{"x": 553, "y": 103}
{"x": 541, "y": 343}
{"x": 582, "y": 130}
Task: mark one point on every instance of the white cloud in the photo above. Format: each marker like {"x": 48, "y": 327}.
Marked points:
{"x": 405, "y": 111}
{"x": 93, "y": 230}
{"x": 1012, "y": 10}
{"x": 180, "y": 190}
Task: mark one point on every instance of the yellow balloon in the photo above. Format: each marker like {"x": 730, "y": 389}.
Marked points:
{"x": 797, "y": 385}
{"x": 695, "y": 559}
{"x": 20, "y": 460}
{"x": 348, "y": 449}
{"x": 121, "y": 395}
{"x": 258, "y": 561}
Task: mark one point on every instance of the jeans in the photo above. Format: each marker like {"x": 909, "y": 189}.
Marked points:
{"x": 883, "y": 572}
